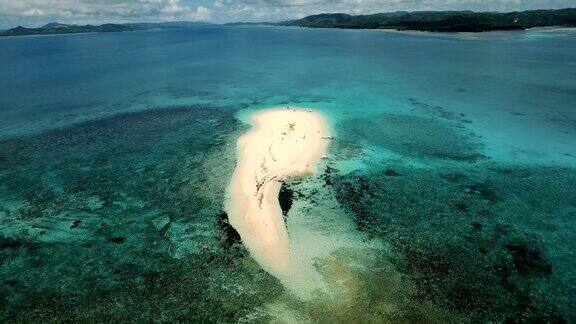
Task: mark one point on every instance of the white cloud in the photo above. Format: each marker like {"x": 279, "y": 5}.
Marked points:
{"x": 33, "y": 12}
{"x": 99, "y": 11}
{"x": 202, "y": 14}
{"x": 274, "y": 10}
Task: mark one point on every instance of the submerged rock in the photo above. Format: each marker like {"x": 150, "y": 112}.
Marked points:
{"x": 117, "y": 239}
{"x": 230, "y": 235}
{"x": 528, "y": 261}
{"x": 75, "y": 223}
{"x": 285, "y": 197}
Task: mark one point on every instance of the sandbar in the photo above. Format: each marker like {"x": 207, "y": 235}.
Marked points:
{"x": 283, "y": 143}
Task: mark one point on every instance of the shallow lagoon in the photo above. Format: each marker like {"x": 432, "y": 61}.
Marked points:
{"x": 448, "y": 193}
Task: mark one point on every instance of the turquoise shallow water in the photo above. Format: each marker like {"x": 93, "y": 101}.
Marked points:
{"x": 452, "y": 172}
{"x": 504, "y": 83}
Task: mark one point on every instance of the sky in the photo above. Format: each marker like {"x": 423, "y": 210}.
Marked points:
{"x": 38, "y": 12}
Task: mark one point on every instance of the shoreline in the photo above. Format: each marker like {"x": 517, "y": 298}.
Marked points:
{"x": 443, "y": 33}
{"x": 282, "y": 143}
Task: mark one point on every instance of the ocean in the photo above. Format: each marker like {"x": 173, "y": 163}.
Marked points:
{"x": 447, "y": 196}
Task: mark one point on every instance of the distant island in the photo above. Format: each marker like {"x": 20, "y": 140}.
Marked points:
{"x": 59, "y": 28}
{"x": 432, "y": 21}
{"x": 442, "y": 21}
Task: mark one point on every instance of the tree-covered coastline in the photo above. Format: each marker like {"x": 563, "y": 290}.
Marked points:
{"x": 59, "y": 28}
{"x": 442, "y": 21}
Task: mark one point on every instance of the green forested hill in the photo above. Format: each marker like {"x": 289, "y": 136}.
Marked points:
{"x": 449, "y": 21}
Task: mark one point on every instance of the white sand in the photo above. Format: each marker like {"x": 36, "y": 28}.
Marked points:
{"x": 283, "y": 143}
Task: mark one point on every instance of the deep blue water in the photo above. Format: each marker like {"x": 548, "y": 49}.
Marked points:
{"x": 467, "y": 141}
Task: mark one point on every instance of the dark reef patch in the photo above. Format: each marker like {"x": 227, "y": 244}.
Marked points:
{"x": 528, "y": 261}
{"x": 117, "y": 239}
{"x": 413, "y": 136}
{"x": 230, "y": 235}
{"x": 368, "y": 217}
{"x": 489, "y": 242}
{"x": 117, "y": 219}
{"x": 439, "y": 111}
{"x": 8, "y": 244}
{"x": 75, "y": 223}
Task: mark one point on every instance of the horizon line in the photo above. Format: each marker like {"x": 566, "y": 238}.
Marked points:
{"x": 273, "y": 22}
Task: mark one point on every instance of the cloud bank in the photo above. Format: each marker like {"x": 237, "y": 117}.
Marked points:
{"x": 99, "y": 11}
{"x": 275, "y": 10}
